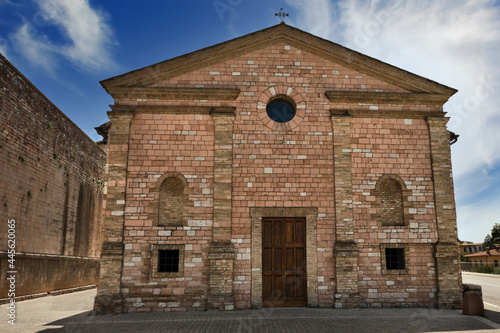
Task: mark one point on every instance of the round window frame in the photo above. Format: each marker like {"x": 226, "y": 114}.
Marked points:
{"x": 290, "y": 93}
{"x": 285, "y": 100}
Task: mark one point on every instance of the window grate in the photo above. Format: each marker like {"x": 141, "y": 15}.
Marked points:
{"x": 168, "y": 261}
{"x": 395, "y": 258}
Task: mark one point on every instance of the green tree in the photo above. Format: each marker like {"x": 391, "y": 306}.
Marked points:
{"x": 495, "y": 234}
{"x": 487, "y": 242}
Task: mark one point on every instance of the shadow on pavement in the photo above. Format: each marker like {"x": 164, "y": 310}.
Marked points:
{"x": 279, "y": 320}
{"x": 67, "y": 323}
{"x": 492, "y": 315}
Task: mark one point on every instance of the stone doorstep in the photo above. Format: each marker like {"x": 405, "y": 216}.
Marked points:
{"x": 49, "y": 293}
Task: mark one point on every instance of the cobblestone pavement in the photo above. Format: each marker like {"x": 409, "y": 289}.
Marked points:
{"x": 69, "y": 313}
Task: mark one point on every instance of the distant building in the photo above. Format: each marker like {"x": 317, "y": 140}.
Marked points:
{"x": 51, "y": 185}
{"x": 277, "y": 169}
{"x": 488, "y": 257}
{"x": 470, "y": 248}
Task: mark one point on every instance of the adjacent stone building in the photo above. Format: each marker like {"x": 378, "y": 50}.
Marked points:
{"x": 50, "y": 185}
{"x": 277, "y": 169}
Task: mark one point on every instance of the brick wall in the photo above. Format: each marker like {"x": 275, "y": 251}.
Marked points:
{"x": 397, "y": 147}
{"x": 161, "y": 146}
{"x": 323, "y": 165}
{"x": 51, "y": 178}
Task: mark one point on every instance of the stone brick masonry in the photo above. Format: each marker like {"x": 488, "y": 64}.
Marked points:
{"x": 359, "y": 124}
{"x": 50, "y": 183}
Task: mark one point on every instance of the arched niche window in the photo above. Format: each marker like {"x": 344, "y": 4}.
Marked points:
{"x": 390, "y": 193}
{"x": 173, "y": 201}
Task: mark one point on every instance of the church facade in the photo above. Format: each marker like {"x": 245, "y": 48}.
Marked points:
{"x": 277, "y": 169}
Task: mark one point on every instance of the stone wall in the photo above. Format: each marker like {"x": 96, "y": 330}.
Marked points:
{"x": 39, "y": 273}
{"x": 50, "y": 184}
{"x": 351, "y": 130}
{"x": 159, "y": 146}
{"x": 398, "y": 147}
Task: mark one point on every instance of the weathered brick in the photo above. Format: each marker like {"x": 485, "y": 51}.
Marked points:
{"x": 51, "y": 184}
{"x": 355, "y": 162}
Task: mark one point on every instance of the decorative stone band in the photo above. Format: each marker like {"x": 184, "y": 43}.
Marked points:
{"x": 171, "y": 109}
{"x": 112, "y": 248}
{"x": 221, "y": 250}
{"x": 381, "y": 113}
{"x": 161, "y": 93}
{"x": 385, "y": 97}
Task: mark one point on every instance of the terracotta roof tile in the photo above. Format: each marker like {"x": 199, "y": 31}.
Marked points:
{"x": 494, "y": 252}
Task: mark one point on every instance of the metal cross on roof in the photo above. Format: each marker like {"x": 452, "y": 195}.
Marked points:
{"x": 281, "y": 14}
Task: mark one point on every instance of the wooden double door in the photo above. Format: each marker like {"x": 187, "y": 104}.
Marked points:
{"x": 284, "y": 277}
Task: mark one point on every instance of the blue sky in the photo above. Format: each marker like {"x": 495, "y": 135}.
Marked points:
{"x": 65, "y": 47}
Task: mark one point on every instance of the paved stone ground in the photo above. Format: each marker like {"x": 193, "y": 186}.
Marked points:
{"x": 69, "y": 313}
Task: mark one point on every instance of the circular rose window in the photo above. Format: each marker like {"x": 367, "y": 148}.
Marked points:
{"x": 280, "y": 110}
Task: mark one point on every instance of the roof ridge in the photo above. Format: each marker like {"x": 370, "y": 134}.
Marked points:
{"x": 318, "y": 46}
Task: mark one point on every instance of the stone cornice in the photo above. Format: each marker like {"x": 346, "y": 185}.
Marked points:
{"x": 385, "y": 97}
{"x": 281, "y": 33}
{"x": 170, "y": 109}
{"x": 160, "y": 93}
{"x": 227, "y": 112}
{"x": 387, "y": 114}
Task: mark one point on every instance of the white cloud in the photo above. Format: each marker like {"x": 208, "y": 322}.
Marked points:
{"x": 37, "y": 49}
{"x": 453, "y": 42}
{"x": 476, "y": 220}
{"x": 89, "y": 38}
{"x": 314, "y": 16}
{"x": 456, "y": 43}
{"x": 4, "y": 47}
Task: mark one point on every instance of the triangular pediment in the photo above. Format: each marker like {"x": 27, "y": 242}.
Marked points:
{"x": 148, "y": 77}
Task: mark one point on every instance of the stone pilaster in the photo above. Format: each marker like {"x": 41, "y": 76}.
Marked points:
{"x": 447, "y": 251}
{"x": 221, "y": 253}
{"x": 108, "y": 299}
{"x": 221, "y": 295}
{"x": 345, "y": 249}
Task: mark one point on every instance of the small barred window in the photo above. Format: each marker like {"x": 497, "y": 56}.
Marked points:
{"x": 395, "y": 258}
{"x": 168, "y": 261}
